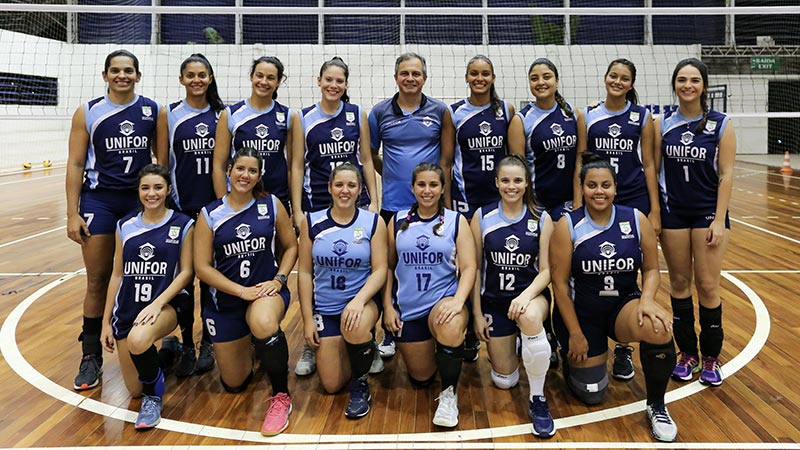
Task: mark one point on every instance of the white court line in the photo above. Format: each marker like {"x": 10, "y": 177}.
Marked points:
{"x": 465, "y": 445}
{"x": 32, "y": 236}
{"x": 765, "y": 230}
{"x": 15, "y": 360}
{"x": 35, "y": 274}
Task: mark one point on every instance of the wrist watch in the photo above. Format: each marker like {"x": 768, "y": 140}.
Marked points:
{"x": 282, "y": 278}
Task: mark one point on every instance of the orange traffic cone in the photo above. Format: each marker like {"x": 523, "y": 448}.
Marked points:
{"x": 786, "y": 169}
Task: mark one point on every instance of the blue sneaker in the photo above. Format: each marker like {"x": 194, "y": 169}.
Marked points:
{"x": 543, "y": 425}
{"x": 149, "y": 414}
{"x": 711, "y": 375}
{"x": 686, "y": 367}
{"x": 358, "y": 405}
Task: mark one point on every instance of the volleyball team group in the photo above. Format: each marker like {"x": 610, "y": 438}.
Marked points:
{"x": 483, "y": 211}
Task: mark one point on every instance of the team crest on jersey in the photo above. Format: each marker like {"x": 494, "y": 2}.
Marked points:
{"x": 625, "y": 228}
{"x": 350, "y": 117}
{"x": 423, "y": 242}
{"x": 243, "y": 231}
{"x": 687, "y": 137}
{"x": 126, "y": 128}
{"x": 201, "y": 129}
{"x": 340, "y": 247}
{"x": 174, "y": 232}
{"x": 711, "y": 125}
{"x": 147, "y": 111}
{"x": 608, "y": 249}
{"x": 337, "y": 134}
{"x": 427, "y": 121}
{"x": 485, "y": 128}
{"x": 262, "y": 209}
{"x": 358, "y": 235}
{"x": 280, "y": 117}
{"x": 614, "y": 130}
{"x": 556, "y": 129}
{"x": 262, "y": 131}
{"x": 499, "y": 114}
{"x": 147, "y": 251}
{"x": 512, "y": 243}
{"x": 633, "y": 119}
{"x": 532, "y": 226}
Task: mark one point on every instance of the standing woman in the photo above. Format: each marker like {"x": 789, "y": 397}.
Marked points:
{"x": 341, "y": 270}
{"x": 621, "y": 131}
{"x": 512, "y": 237}
{"x": 433, "y": 264}
{"x": 547, "y": 133}
{"x": 481, "y": 131}
{"x": 110, "y": 141}
{"x": 152, "y": 266}
{"x": 186, "y": 131}
{"x": 237, "y": 241}
{"x": 596, "y": 254}
{"x": 261, "y": 123}
{"x": 698, "y": 148}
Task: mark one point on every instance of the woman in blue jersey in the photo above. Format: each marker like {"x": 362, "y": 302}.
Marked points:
{"x": 342, "y": 267}
{"x": 511, "y": 296}
{"x": 481, "y": 124}
{"x": 596, "y": 255}
{"x": 433, "y": 265}
{"x": 697, "y": 149}
{"x": 547, "y": 134}
{"x": 237, "y": 243}
{"x": 110, "y": 141}
{"x": 186, "y": 131}
{"x": 258, "y": 122}
{"x": 152, "y": 266}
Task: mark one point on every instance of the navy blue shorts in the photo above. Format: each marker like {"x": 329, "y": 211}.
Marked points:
{"x": 642, "y": 203}
{"x": 676, "y": 221}
{"x": 102, "y": 209}
{"x": 416, "y": 330}
{"x": 496, "y": 315}
{"x": 329, "y": 325}
{"x": 124, "y": 315}
{"x": 466, "y": 209}
{"x": 230, "y": 324}
{"x": 596, "y": 318}
{"x": 561, "y": 210}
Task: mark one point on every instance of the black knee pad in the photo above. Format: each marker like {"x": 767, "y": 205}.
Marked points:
{"x": 424, "y": 383}
{"x": 237, "y": 389}
{"x": 588, "y": 384}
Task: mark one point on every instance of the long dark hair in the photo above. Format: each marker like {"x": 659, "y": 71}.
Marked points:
{"x": 212, "y": 95}
{"x": 703, "y": 69}
{"x": 527, "y": 197}
{"x": 631, "y": 96}
{"x": 337, "y": 62}
{"x": 258, "y": 189}
{"x": 590, "y": 160}
{"x": 161, "y": 171}
{"x": 125, "y": 53}
{"x": 559, "y": 98}
{"x": 427, "y": 167}
{"x": 275, "y": 62}
{"x": 494, "y": 98}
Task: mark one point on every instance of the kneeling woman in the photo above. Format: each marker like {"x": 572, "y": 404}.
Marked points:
{"x": 343, "y": 251}
{"x": 152, "y": 266}
{"x": 236, "y": 244}
{"x": 512, "y": 237}
{"x": 603, "y": 247}
{"x": 429, "y": 246}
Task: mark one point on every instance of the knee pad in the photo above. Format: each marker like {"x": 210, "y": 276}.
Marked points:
{"x": 506, "y": 381}
{"x": 237, "y": 389}
{"x": 589, "y": 384}
{"x": 422, "y": 383}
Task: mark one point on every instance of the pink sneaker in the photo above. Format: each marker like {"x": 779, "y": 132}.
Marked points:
{"x": 277, "y": 418}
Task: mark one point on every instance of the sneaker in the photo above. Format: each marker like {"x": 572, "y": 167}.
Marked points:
{"x": 471, "y": 347}
{"x": 358, "y": 404}
{"x": 307, "y": 363}
{"x": 686, "y": 367}
{"x": 205, "y": 360}
{"x": 168, "y": 353}
{"x": 387, "y": 346}
{"x": 447, "y": 411}
{"x": 149, "y": 414}
{"x": 711, "y": 374}
{"x": 186, "y": 361}
{"x": 377, "y": 364}
{"x": 89, "y": 372}
{"x": 664, "y": 429}
{"x": 543, "y": 425}
{"x": 623, "y": 362}
{"x": 277, "y": 417}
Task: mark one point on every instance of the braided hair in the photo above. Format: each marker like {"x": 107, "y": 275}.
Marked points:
{"x": 703, "y": 69}
{"x": 426, "y": 167}
{"x": 559, "y": 98}
{"x": 337, "y": 62}
{"x": 493, "y": 97}
{"x": 631, "y": 96}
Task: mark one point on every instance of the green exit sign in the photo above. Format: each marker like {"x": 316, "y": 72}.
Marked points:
{"x": 765, "y": 62}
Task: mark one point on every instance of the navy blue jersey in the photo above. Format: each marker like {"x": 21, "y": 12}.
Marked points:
{"x": 510, "y": 252}
{"x": 120, "y": 141}
{"x": 481, "y": 142}
{"x": 244, "y": 245}
{"x": 191, "y": 146}
{"x": 341, "y": 254}
{"x": 426, "y": 263}
{"x": 606, "y": 259}
{"x": 330, "y": 140}
{"x": 151, "y": 256}
{"x": 689, "y": 163}
{"x": 408, "y": 139}
{"x": 616, "y": 137}
{"x": 551, "y": 139}
{"x": 265, "y": 131}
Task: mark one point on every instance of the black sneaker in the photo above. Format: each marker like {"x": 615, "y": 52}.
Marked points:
{"x": 623, "y": 362}
{"x": 186, "y": 361}
{"x": 89, "y": 373}
{"x": 205, "y": 360}
{"x": 168, "y": 354}
{"x": 471, "y": 347}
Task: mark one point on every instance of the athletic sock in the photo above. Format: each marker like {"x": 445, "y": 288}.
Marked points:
{"x": 273, "y": 352}
{"x": 683, "y": 324}
{"x": 711, "y": 333}
{"x": 536, "y": 359}
{"x": 449, "y": 361}
{"x": 361, "y": 356}
{"x": 658, "y": 362}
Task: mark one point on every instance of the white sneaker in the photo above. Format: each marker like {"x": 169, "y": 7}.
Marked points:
{"x": 447, "y": 411}
{"x": 387, "y": 347}
{"x": 664, "y": 429}
{"x": 307, "y": 363}
{"x": 377, "y": 364}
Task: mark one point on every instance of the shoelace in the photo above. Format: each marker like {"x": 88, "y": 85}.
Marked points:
{"x": 85, "y": 363}
{"x": 150, "y": 405}
{"x": 685, "y": 359}
{"x": 661, "y": 415}
{"x": 278, "y": 402}
{"x": 540, "y": 409}
{"x": 307, "y": 353}
{"x": 710, "y": 364}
